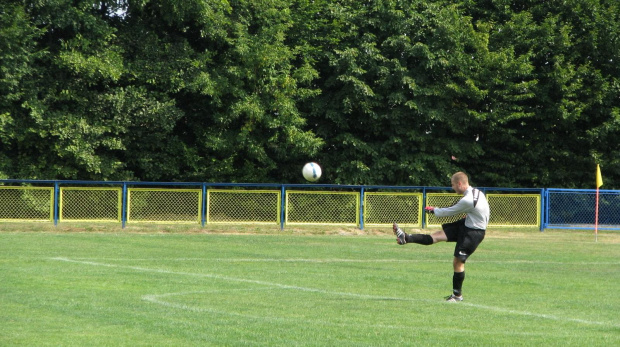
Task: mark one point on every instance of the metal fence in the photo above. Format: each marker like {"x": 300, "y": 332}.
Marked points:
{"x": 291, "y": 204}
{"x": 575, "y": 209}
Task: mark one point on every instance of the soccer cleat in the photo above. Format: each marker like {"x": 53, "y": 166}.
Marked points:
{"x": 454, "y": 298}
{"x": 401, "y": 237}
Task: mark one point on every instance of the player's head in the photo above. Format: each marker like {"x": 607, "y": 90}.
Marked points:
{"x": 460, "y": 182}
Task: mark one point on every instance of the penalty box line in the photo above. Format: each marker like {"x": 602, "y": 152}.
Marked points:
{"x": 227, "y": 278}
{"x": 362, "y": 261}
{"x": 328, "y": 292}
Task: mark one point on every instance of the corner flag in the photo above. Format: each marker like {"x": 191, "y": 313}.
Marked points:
{"x": 599, "y": 183}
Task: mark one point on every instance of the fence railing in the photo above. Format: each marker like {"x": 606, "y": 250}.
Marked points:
{"x": 576, "y": 209}
{"x": 291, "y": 204}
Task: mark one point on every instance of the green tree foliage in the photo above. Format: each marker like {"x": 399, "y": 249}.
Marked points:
{"x": 572, "y": 114}
{"x": 17, "y": 55}
{"x": 233, "y": 87}
{"x": 516, "y": 93}
{"x": 55, "y": 132}
{"x": 409, "y": 88}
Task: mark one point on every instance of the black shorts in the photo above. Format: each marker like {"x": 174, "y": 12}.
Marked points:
{"x": 467, "y": 239}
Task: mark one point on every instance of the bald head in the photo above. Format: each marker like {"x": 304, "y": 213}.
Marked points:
{"x": 460, "y": 182}
{"x": 460, "y": 177}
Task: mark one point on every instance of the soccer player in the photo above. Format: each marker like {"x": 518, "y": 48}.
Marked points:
{"x": 467, "y": 232}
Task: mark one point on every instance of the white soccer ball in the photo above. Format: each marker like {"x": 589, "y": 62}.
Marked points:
{"x": 311, "y": 172}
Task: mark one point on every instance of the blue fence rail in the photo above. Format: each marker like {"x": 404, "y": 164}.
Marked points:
{"x": 553, "y": 208}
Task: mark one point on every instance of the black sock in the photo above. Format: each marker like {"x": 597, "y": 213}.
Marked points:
{"x": 422, "y": 239}
{"x": 457, "y": 283}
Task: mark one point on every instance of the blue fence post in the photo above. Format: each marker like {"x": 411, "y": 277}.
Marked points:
{"x": 203, "y": 217}
{"x": 543, "y": 204}
{"x": 547, "y": 208}
{"x": 282, "y": 205}
{"x": 362, "y": 208}
{"x": 56, "y": 202}
{"x": 124, "y": 205}
{"x": 423, "y": 205}
{"x": 546, "y": 213}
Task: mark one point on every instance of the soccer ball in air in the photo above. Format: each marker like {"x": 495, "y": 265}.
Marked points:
{"x": 311, "y": 172}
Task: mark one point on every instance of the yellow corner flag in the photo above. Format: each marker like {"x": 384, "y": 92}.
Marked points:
{"x": 599, "y": 178}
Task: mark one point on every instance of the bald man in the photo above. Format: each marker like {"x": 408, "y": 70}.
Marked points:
{"x": 468, "y": 232}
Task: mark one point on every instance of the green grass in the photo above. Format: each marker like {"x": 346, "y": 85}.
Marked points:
{"x": 294, "y": 288}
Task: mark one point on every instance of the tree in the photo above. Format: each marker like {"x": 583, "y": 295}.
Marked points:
{"x": 235, "y": 80}
{"x": 18, "y": 52}
{"x": 516, "y": 93}
{"x": 572, "y": 122}
{"x": 71, "y": 61}
{"x": 407, "y": 87}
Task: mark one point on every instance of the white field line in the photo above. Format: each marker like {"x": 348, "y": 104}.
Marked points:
{"x": 339, "y": 260}
{"x": 157, "y": 299}
{"x": 321, "y": 291}
{"x": 225, "y": 278}
{"x": 336, "y": 260}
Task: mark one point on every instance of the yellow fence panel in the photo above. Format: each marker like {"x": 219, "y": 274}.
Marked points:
{"x": 243, "y": 206}
{"x": 507, "y": 210}
{"x": 309, "y": 207}
{"x": 164, "y": 205}
{"x": 514, "y": 210}
{"x": 27, "y": 204}
{"x": 90, "y": 204}
{"x": 385, "y": 208}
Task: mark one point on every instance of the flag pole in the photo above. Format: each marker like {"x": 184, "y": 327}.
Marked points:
{"x": 596, "y": 218}
{"x": 599, "y": 183}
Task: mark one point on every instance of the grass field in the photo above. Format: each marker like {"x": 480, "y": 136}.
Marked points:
{"x": 131, "y": 288}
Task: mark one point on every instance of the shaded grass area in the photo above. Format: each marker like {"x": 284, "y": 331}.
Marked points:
{"x": 306, "y": 286}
